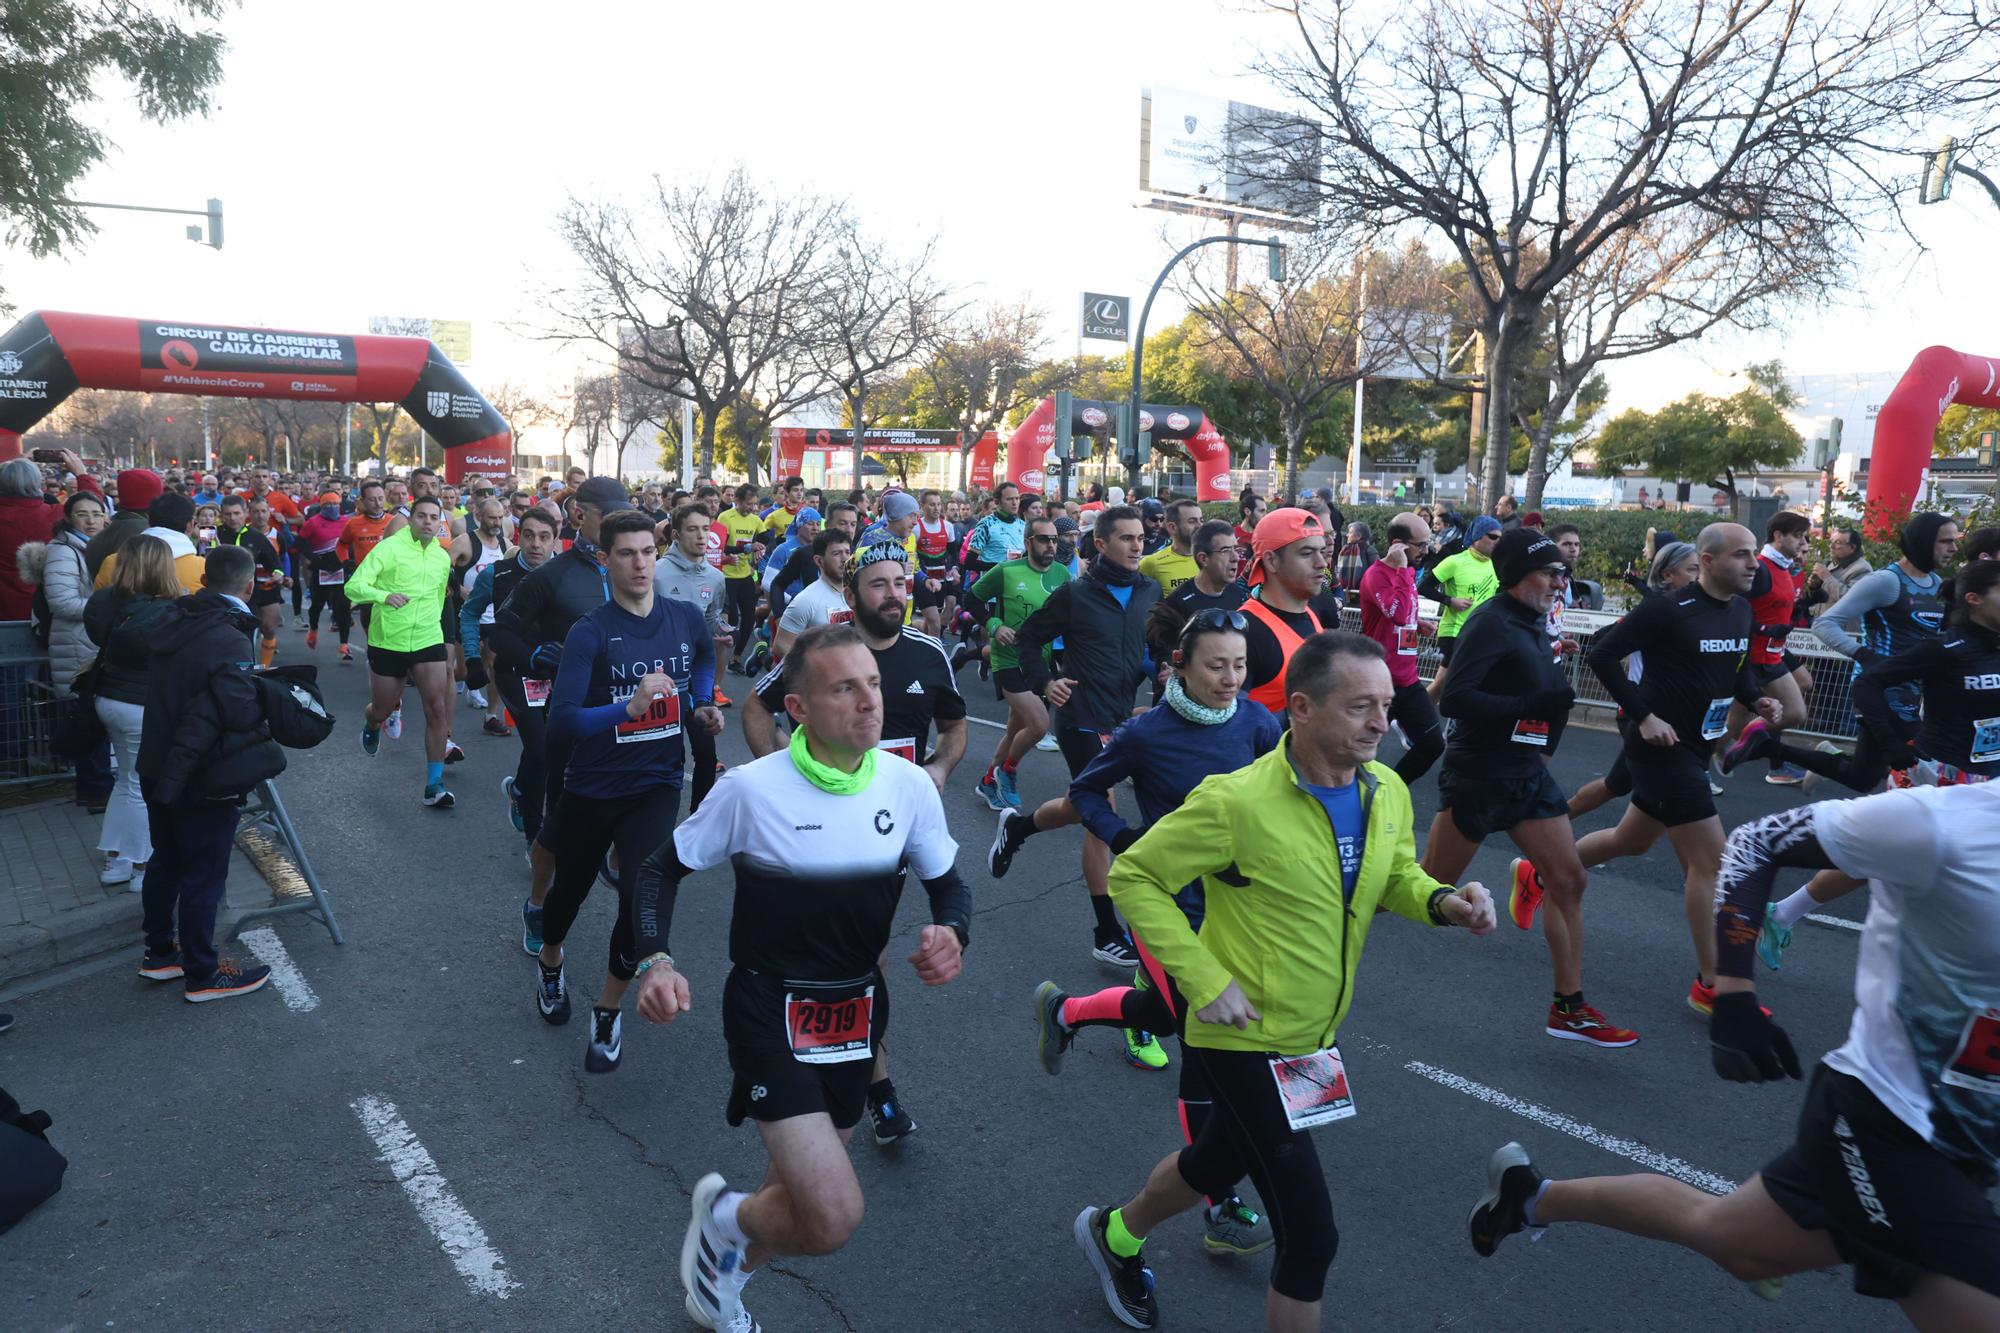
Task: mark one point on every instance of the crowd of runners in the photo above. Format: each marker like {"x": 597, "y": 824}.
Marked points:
{"x": 1232, "y": 890}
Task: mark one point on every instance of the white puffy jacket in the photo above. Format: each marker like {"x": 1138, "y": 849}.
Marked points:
{"x": 58, "y": 566}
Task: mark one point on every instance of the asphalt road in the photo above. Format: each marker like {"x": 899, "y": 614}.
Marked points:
{"x": 228, "y": 1167}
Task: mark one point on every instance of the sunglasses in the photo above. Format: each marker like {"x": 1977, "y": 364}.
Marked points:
{"x": 1214, "y": 618}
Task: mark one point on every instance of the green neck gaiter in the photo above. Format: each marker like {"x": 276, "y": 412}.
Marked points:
{"x": 824, "y": 776}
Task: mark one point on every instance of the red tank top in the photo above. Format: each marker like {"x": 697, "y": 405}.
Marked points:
{"x": 933, "y": 548}
{"x": 1773, "y": 608}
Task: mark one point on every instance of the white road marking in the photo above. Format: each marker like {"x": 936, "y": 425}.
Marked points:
{"x": 1576, "y": 1129}
{"x": 285, "y": 975}
{"x": 1840, "y": 921}
{"x": 459, "y": 1236}
{"x": 997, "y": 726}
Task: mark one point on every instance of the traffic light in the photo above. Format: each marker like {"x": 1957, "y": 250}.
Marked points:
{"x": 1064, "y": 401}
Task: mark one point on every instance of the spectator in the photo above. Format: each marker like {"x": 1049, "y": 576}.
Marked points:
{"x": 1532, "y": 519}
{"x": 172, "y": 519}
{"x": 207, "y": 520}
{"x": 1356, "y": 554}
{"x": 204, "y": 746}
{"x": 1829, "y": 581}
{"x": 122, "y": 618}
{"x": 1504, "y": 510}
{"x": 137, "y": 489}
{"x": 59, "y": 567}
{"x": 26, "y": 517}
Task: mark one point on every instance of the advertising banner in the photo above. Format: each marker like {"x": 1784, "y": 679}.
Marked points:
{"x": 792, "y": 442}
{"x": 1106, "y": 317}
{"x": 217, "y": 359}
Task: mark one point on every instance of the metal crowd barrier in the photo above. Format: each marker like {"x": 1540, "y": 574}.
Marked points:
{"x": 1829, "y": 705}
{"x": 29, "y": 713}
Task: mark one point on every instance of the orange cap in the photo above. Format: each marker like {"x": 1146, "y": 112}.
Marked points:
{"x": 1282, "y": 527}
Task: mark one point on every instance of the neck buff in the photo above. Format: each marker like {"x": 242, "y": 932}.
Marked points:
{"x": 1116, "y": 575}
{"x": 825, "y": 776}
{"x": 1199, "y": 713}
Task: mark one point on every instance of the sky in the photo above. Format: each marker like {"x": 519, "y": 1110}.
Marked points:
{"x": 410, "y": 159}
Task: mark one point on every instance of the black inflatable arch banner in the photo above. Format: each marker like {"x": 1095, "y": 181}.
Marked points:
{"x": 50, "y": 354}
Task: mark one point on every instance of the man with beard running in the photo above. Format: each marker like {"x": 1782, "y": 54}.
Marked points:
{"x": 917, "y": 689}
{"x": 1012, "y": 591}
{"x": 535, "y": 535}
{"x": 819, "y": 835}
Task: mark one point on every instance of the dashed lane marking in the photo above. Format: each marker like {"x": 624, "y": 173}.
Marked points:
{"x": 458, "y": 1234}
{"x": 1839, "y": 921}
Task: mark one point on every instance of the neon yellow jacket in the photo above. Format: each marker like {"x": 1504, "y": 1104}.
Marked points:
{"x": 399, "y": 564}
{"x": 1264, "y": 849}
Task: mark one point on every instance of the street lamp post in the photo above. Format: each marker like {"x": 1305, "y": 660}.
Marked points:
{"x": 1133, "y": 456}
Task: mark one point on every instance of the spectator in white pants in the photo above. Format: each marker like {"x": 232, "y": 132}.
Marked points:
{"x": 121, "y": 616}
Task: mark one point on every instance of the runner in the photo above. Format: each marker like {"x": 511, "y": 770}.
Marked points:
{"x": 406, "y": 575}
{"x": 321, "y": 533}
{"x": 1899, "y": 1139}
{"x": 479, "y": 548}
{"x": 917, "y": 690}
{"x": 1774, "y": 601}
{"x": 1288, "y": 569}
{"x": 685, "y": 575}
{"x": 742, "y": 548}
{"x": 1172, "y": 563}
{"x": 631, "y": 669}
{"x": 536, "y": 533}
{"x": 238, "y": 529}
{"x": 1012, "y": 591}
{"x": 1000, "y": 536}
{"x": 367, "y": 526}
{"x": 937, "y": 565}
{"x": 1296, "y": 853}
{"x": 1696, "y": 647}
{"x": 1569, "y": 540}
{"x": 1509, "y": 702}
{"x": 824, "y": 601}
{"x": 1215, "y": 585}
{"x": 1388, "y": 596}
{"x": 805, "y": 1002}
{"x": 1461, "y": 582}
{"x": 1101, "y": 619}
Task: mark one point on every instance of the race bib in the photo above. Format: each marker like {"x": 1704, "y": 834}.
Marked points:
{"x": 1013, "y": 554}
{"x": 905, "y": 746}
{"x": 537, "y": 692}
{"x": 1406, "y": 640}
{"x": 332, "y": 577}
{"x": 1985, "y": 740}
{"x": 1715, "y": 722}
{"x": 1531, "y": 731}
{"x": 661, "y": 721}
{"x": 1313, "y": 1088}
{"x": 831, "y": 1032}
{"x": 1975, "y": 1065}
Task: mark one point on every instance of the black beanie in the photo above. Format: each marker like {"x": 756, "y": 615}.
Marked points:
{"x": 1522, "y": 551}
{"x": 1919, "y": 539}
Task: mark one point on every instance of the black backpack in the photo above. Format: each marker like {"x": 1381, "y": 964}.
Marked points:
{"x": 294, "y": 708}
{"x": 39, "y": 616}
{"x": 31, "y": 1170}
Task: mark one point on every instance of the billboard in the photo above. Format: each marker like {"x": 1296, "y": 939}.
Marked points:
{"x": 1231, "y": 155}
{"x": 1105, "y": 317}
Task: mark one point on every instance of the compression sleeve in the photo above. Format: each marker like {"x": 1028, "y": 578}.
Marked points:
{"x": 1750, "y": 861}
{"x": 1090, "y": 790}
{"x": 1837, "y": 626}
{"x": 951, "y": 903}
{"x": 475, "y": 606}
{"x": 1634, "y": 633}
{"x": 653, "y": 898}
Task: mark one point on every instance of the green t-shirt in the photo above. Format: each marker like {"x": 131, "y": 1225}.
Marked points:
{"x": 1013, "y": 591}
{"x": 1467, "y": 574}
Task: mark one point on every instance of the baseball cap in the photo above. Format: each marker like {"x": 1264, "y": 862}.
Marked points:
{"x": 605, "y": 494}
{"x": 898, "y": 504}
{"x": 1523, "y": 551}
{"x": 1282, "y": 527}
{"x": 1480, "y": 526}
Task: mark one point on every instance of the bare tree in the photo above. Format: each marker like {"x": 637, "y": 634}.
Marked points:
{"x": 704, "y": 290}
{"x": 988, "y": 367}
{"x": 1532, "y": 138}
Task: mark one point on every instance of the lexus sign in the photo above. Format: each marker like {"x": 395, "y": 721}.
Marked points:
{"x": 1107, "y": 317}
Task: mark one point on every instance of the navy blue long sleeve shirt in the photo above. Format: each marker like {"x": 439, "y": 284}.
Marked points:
{"x": 607, "y": 652}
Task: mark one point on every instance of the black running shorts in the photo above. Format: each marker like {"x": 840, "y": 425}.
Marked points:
{"x": 1897, "y": 1208}
{"x": 390, "y": 662}
{"x": 1766, "y": 672}
{"x": 923, "y": 596}
{"x": 1669, "y": 782}
{"x": 1011, "y": 681}
{"x": 1446, "y": 644}
{"x": 772, "y": 1082}
{"x": 1079, "y": 745}
{"x": 1482, "y": 803}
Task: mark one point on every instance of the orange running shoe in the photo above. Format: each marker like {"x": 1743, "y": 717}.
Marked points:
{"x": 312, "y": 639}
{"x": 1527, "y": 892}
{"x": 722, "y": 700}
{"x": 1585, "y": 1024}
{"x": 1701, "y": 999}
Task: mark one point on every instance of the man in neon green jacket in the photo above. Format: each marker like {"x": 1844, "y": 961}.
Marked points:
{"x": 404, "y": 577}
{"x": 1297, "y": 853}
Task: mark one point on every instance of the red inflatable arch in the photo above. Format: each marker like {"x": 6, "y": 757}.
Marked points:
{"x": 1906, "y": 427}
{"x": 51, "y": 354}
{"x": 1028, "y": 447}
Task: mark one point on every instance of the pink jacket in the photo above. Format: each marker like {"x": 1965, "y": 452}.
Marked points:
{"x": 1389, "y": 616}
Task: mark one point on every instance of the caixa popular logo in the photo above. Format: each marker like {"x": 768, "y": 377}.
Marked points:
{"x": 437, "y": 402}
{"x": 10, "y": 362}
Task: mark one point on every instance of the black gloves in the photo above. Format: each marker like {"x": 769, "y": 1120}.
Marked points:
{"x": 546, "y": 661}
{"x": 1746, "y": 1046}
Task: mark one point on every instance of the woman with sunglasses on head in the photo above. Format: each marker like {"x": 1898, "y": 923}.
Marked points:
{"x": 1204, "y": 725}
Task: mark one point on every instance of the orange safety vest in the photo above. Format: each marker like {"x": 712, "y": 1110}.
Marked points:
{"x": 1272, "y": 693}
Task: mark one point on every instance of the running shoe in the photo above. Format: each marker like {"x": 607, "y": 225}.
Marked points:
{"x": 722, "y": 700}
{"x": 515, "y": 819}
{"x": 298, "y": 621}
{"x": 1772, "y": 940}
{"x": 1714, "y": 787}
{"x": 1786, "y": 775}
{"x": 1527, "y": 892}
{"x": 552, "y": 996}
{"x": 346, "y": 654}
{"x": 1747, "y": 746}
{"x": 1511, "y": 1186}
{"x": 227, "y": 982}
{"x": 1007, "y": 840}
{"x": 495, "y": 727}
{"x": 1010, "y": 786}
{"x": 989, "y": 792}
{"x": 1117, "y": 953}
{"x": 393, "y": 728}
{"x": 477, "y": 698}
{"x": 962, "y": 654}
{"x": 1811, "y": 781}
{"x": 6, "y": 1021}
{"x": 459, "y": 688}
{"x": 1238, "y": 1229}
{"x": 162, "y": 966}
{"x": 606, "y": 1047}
{"x": 1052, "y": 1035}
{"x": 1127, "y": 1283}
{"x": 1047, "y": 744}
{"x": 312, "y": 638}
{"x": 1701, "y": 998}
{"x": 1143, "y": 1050}
{"x": 452, "y": 753}
{"x": 892, "y": 1123}
{"x": 1585, "y": 1024}
{"x": 531, "y": 928}
{"x": 371, "y": 741}
{"x": 437, "y": 798}
{"x": 709, "y": 1260}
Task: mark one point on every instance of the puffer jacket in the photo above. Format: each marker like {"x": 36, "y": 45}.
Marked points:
{"x": 205, "y": 737}
{"x": 58, "y": 565}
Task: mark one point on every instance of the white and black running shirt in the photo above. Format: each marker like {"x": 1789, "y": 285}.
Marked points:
{"x": 918, "y": 687}
{"x": 818, "y": 876}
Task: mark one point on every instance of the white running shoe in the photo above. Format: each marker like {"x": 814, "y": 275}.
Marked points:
{"x": 477, "y": 698}
{"x": 1048, "y": 742}
{"x": 393, "y": 728}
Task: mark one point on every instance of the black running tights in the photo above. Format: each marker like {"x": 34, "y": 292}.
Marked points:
{"x": 592, "y": 826}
